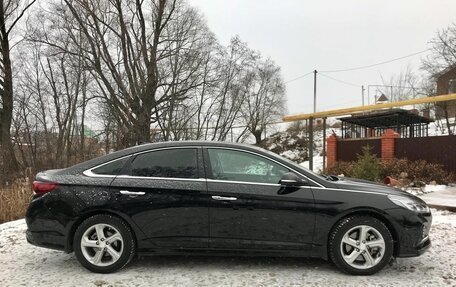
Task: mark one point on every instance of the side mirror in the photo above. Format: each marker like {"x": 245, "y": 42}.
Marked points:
{"x": 291, "y": 179}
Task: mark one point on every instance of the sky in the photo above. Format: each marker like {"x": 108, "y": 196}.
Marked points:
{"x": 301, "y": 36}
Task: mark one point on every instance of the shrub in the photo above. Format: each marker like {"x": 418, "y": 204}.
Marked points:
{"x": 402, "y": 169}
{"x": 292, "y": 144}
{"x": 14, "y": 200}
{"x": 367, "y": 166}
{"x": 419, "y": 170}
{"x": 341, "y": 167}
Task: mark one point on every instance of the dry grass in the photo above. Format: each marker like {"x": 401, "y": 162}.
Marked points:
{"x": 14, "y": 200}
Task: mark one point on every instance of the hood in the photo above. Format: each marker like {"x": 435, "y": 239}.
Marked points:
{"x": 366, "y": 185}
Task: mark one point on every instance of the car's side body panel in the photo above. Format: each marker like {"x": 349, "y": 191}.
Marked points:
{"x": 171, "y": 213}
{"x": 53, "y": 217}
{"x": 259, "y": 218}
{"x": 333, "y": 204}
{"x": 180, "y": 216}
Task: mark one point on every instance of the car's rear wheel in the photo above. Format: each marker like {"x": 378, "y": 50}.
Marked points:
{"x": 104, "y": 243}
{"x": 361, "y": 245}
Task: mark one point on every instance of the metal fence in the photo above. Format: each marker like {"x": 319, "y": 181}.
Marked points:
{"x": 348, "y": 149}
{"x": 436, "y": 149}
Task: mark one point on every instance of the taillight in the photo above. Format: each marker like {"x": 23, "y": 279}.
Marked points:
{"x": 40, "y": 187}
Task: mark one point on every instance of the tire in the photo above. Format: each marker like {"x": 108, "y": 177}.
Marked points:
{"x": 360, "y": 245}
{"x": 104, "y": 243}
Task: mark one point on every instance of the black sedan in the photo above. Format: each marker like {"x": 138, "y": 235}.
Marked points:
{"x": 220, "y": 198}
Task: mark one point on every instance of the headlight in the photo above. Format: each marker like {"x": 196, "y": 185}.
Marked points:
{"x": 409, "y": 203}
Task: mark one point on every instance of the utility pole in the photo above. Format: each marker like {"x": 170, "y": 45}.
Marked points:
{"x": 391, "y": 94}
{"x": 362, "y": 94}
{"x": 368, "y": 94}
{"x": 311, "y": 137}
{"x": 324, "y": 144}
{"x": 315, "y": 91}
{"x": 311, "y": 123}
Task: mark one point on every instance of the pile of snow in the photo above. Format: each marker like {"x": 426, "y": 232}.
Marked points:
{"x": 317, "y": 163}
{"x": 428, "y": 188}
{"x": 293, "y": 144}
{"x": 434, "y": 187}
{"x": 439, "y": 127}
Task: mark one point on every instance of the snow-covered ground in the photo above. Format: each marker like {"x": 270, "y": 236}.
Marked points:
{"x": 25, "y": 265}
{"x": 317, "y": 163}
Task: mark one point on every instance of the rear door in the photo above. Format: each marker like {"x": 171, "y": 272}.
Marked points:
{"x": 164, "y": 192}
{"x": 249, "y": 209}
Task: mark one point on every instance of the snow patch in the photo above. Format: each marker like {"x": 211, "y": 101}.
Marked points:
{"x": 434, "y": 187}
{"x": 27, "y": 265}
{"x": 317, "y": 163}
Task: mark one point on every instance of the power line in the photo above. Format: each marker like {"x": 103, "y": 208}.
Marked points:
{"x": 297, "y": 78}
{"x": 373, "y": 65}
{"x": 357, "y": 68}
{"x": 340, "y": 81}
{"x": 334, "y": 105}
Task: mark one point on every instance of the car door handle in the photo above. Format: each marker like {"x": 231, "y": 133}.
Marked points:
{"x": 216, "y": 197}
{"x": 127, "y": 192}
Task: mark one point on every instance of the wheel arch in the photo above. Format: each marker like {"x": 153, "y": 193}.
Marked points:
{"x": 72, "y": 230}
{"x": 367, "y": 211}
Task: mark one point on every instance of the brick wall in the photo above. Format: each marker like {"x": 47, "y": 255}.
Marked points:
{"x": 437, "y": 149}
{"x": 388, "y": 144}
{"x": 331, "y": 150}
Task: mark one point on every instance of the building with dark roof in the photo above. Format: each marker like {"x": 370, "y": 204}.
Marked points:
{"x": 406, "y": 123}
{"x": 446, "y": 84}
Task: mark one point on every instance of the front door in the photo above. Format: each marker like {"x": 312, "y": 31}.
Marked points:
{"x": 249, "y": 209}
{"x": 164, "y": 192}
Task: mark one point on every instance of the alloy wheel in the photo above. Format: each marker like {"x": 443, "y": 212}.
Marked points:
{"x": 362, "y": 247}
{"x": 102, "y": 244}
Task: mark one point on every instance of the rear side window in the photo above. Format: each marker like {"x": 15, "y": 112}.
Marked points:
{"x": 112, "y": 168}
{"x": 178, "y": 163}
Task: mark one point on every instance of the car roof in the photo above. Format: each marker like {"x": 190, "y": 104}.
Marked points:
{"x": 81, "y": 167}
{"x": 150, "y": 146}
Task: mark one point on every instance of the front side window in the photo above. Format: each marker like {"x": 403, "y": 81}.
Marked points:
{"x": 177, "y": 163}
{"x": 242, "y": 166}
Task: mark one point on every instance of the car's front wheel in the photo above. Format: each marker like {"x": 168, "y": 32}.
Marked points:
{"x": 360, "y": 245}
{"x": 103, "y": 243}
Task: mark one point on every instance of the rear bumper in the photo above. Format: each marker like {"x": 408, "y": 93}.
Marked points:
{"x": 46, "y": 239}
{"x": 43, "y": 228}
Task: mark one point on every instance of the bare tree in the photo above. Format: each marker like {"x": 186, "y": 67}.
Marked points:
{"x": 231, "y": 93}
{"x": 265, "y": 102}
{"x": 402, "y": 86}
{"x": 11, "y": 11}
{"x": 183, "y": 74}
{"x": 151, "y": 70}
{"x": 443, "y": 57}
{"x": 54, "y": 84}
{"x": 443, "y": 51}
{"x": 125, "y": 45}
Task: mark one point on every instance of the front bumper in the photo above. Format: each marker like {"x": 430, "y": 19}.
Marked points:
{"x": 414, "y": 237}
{"x": 417, "y": 250}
